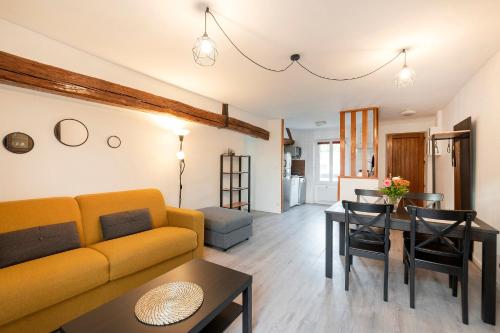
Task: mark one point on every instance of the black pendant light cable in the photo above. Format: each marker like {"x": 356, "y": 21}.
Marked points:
{"x": 295, "y": 58}
{"x": 355, "y": 77}
{"x": 241, "y": 52}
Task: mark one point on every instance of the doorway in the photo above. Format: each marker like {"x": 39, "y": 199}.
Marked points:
{"x": 406, "y": 158}
{"x": 327, "y": 170}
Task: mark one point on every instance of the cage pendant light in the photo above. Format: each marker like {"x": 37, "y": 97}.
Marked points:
{"x": 204, "y": 49}
{"x": 406, "y": 76}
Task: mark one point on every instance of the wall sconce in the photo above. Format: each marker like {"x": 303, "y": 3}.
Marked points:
{"x": 181, "y": 133}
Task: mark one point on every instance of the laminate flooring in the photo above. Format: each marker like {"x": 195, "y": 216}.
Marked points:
{"x": 286, "y": 256}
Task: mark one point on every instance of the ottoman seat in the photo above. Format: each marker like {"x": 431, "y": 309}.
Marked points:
{"x": 225, "y": 228}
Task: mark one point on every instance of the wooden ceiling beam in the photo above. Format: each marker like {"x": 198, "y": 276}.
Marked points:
{"x": 22, "y": 72}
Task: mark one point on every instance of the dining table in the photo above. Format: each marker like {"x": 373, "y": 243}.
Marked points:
{"x": 400, "y": 220}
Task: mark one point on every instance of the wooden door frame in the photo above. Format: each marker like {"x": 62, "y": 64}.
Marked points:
{"x": 388, "y": 159}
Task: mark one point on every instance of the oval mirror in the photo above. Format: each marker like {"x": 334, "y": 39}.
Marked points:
{"x": 114, "y": 141}
{"x": 71, "y": 132}
{"x": 18, "y": 143}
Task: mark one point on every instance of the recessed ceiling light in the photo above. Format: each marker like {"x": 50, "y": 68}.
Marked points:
{"x": 408, "y": 113}
{"x": 320, "y": 123}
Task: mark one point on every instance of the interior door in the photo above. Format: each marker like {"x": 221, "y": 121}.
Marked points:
{"x": 406, "y": 158}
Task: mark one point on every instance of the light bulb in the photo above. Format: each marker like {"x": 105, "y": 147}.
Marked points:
{"x": 204, "y": 51}
{"x": 405, "y": 77}
{"x": 206, "y": 46}
{"x": 180, "y": 155}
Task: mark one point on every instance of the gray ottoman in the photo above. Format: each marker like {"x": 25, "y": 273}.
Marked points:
{"x": 226, "y": 227}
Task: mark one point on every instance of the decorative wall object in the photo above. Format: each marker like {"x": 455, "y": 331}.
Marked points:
{"x": 114, "y": 142}
{"x": 18, "y": 143}
{"x": 71, "y": 132}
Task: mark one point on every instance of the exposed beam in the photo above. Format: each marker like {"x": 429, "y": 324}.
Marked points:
{"x": 30, "y": 74}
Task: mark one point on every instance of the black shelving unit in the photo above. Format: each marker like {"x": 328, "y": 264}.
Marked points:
{"x": 235, "y": 181}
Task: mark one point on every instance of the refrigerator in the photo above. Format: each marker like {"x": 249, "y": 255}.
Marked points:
{"x": 287, "y": 180}
{"x": 302, "y": 190}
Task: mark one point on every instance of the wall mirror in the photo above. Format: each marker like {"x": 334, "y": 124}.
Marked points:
{"x": 114, "y": 141}
{"x": 71, "y": 132}
{"x": 18, "y": 143}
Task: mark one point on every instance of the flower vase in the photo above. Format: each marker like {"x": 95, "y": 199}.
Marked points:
{"x": 392, "y": 200}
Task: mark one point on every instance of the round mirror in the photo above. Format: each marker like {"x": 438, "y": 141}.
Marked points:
{"x": 18, "y": 143}
{"x": 71, "y": 132}
{"x": 114, "y": 141}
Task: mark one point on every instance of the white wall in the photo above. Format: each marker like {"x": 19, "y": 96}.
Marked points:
{"x": 402, "y": 125}
{"x": 480, "y": 99}
{"x": 147, "y": 155}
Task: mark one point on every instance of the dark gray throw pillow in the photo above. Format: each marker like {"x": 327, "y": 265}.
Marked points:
{"x": 33, "y": 243}
{"x": 125, "y": 223}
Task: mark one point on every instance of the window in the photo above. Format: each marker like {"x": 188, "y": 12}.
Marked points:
{"x": 328, "y": 160}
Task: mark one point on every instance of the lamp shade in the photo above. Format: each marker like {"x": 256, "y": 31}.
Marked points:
{"x": 181, "y": 131}
{"x": 180, "y": 155}
{"x": 405, "y": 77}
{"x": 204, "y": 51}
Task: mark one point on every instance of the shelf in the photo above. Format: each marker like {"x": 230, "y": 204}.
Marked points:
{"x": 224, "y": 319}
{"x": 226, "y": 155}
{"x": 237, "y": 204}
{"x": 236, "y": 189}
{"x": 451, "y": 135}
{"x": 235, "y": 172}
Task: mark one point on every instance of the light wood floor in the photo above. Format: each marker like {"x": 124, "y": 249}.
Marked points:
{"x": 286, "y": 257}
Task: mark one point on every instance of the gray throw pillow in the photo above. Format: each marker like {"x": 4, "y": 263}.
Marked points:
{"x": 33, "y": 243}
{"x": 125, "y": 223}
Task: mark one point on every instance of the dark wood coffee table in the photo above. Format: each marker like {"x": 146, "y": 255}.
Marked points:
{"x": 220, "y": 285}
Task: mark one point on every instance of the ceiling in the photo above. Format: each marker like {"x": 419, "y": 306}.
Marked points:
{"x": 448, "y": 41}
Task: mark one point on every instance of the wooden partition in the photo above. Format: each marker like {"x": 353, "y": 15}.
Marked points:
{"x": 359, "y": 143}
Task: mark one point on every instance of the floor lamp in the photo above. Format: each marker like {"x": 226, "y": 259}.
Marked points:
{"x": 181, "y": 133}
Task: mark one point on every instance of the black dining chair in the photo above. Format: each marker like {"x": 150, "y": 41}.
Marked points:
{"x": 429, "y": 200}
{"x": 440, "y": 252}
{"x": 363, "y": 240}
{"x": 362, "y": 195}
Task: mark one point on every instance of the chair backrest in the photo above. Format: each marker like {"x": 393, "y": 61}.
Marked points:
{"x": 366, "y": 226}
{"x": 430, "y": 200}
{"x": 451, "y": 223}
{"x": 369, "y": 196}
{"x": 92, "y": 206}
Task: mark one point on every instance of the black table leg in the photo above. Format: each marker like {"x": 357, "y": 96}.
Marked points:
{"x": 247, "y": 309}
{"x": 489, "y": 277}
{"x": 341, "y": 238}
{"x": 329, "y": 246}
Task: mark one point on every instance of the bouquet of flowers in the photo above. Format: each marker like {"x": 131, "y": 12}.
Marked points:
{"x": 394, "y": 189}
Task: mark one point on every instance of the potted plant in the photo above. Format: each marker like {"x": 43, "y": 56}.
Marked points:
{"x": 394, "y": 189}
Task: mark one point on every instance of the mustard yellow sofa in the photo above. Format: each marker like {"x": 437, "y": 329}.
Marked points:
{"x": 42, "y": 294}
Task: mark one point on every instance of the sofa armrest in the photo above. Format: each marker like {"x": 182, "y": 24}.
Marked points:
{"x": 190, "y": 219}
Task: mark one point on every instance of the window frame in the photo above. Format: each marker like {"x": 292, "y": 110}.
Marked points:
{"x": 332, "y": 178}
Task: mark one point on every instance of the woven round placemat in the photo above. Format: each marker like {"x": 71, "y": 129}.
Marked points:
{"x": 169, "y": 303}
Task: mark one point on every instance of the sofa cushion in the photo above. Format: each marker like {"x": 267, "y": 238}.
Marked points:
{"x": 93, "y": 206}
{"x": 33, "y": 243}
{"x": 24, "y": 214}
{"x": 136, "y": 252}
{"x": 37, "y": 284}
{"x": 125, "y": 223}
{"x": 223, "y": 220}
